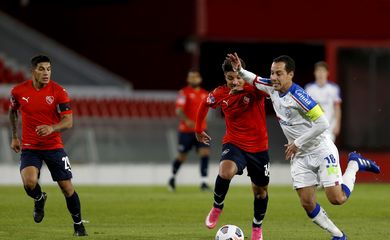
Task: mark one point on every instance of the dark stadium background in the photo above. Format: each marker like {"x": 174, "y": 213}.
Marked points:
{"x": 152, "y": 44}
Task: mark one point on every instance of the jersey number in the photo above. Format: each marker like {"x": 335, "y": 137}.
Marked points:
{"x": 67, "y": 163}
{"x": 330, "y": 159}
{"x": 266, "y": 170}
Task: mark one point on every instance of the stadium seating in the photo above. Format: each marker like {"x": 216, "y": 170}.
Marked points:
{"x": 10, "y": 74}
{"x": 101, "y": 107}
{"x": 115, "y": 108}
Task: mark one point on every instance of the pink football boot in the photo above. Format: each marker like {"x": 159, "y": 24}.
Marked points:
{"x": 257, "y": 233}
{"x": 212, "y": 217}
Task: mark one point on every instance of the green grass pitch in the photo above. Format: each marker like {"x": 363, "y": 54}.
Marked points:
{"x": 154, "y": 213}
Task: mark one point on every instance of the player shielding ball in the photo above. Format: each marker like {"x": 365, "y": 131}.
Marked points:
{"x": 46, "y": 111}
{"x": 245, "y": 144}
{"x": 187, "y": 104}
{"x": 327, "y": 95}
{"x": 314, "y": 157}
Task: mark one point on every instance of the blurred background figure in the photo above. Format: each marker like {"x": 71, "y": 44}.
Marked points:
{"x": 124, "y": 105}
{"x": 327, "y": 94}
{"x": 187, "y": 105}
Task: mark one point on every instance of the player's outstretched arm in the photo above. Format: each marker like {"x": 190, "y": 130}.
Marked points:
{"x": 13, "y": 118}
{"x": 236, "y": 64}
{"x": 65, "y": 123}
{"x": 200, "y": 134}
{"x": 262, "y": 84}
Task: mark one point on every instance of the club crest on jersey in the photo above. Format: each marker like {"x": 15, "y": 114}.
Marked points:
{"x": 49, "y": 99}
{"x": 246, "y": 100}
{"x": 288, "y": 112}
{"x": 210, "y": 99}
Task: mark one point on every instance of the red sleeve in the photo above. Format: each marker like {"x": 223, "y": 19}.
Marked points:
{"x": 181, "y": 99}
{"x": 63, "y": 102}
{"x": 13, "y": 104}
{"x": 202, "y": 113}
{"x": 251, "y": 88}
{"x": 213, "y": 98}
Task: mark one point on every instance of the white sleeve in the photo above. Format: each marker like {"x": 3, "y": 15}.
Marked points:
{"x": 337, "y": 97}
{"x": 318, "y": 127}
{"x": 263, "y": 84}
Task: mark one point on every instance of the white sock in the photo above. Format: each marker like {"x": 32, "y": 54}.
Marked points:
{"x": 349, "y": 176}
{"x": 324, "y": 222}
{"x": 255, "y": 221}
{"x": 204, "y": 180}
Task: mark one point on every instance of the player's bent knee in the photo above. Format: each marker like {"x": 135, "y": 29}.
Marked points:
{"x": 30, "y": 183}
{"x": 227, "y": 169}
{"x": 204, "y": 152}
{"x": 66, "y": 187}
{"x": 68, "y": 192}
{"x": 337, "y": 200}
{"x": 260, "y": 192}
{"x": 181, "y": 157}
{"x": 228, "y": 175}
{"x": 335, "y": 195}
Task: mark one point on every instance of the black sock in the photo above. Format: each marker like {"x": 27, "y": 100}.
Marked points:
{"x": 220, "y": 191}
{"x": 175, "y": 166}
{"x": 260, "y": 207}
{"x": 74, "y": 207}
{"x": 35, "y": 193}
{"x": 204, "y": 164}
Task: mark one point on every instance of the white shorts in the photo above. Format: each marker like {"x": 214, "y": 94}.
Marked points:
{"x": 322, "y": 167}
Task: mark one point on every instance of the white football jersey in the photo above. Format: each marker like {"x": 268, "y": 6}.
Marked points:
{"x": 327, "y": 96}
{"x": 296, "y": 111}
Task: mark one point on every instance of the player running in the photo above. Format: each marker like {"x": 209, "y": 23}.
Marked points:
{"x": 327, "y": 95}
{"x": 187, "y": 105}
{"x": 314, "y": 157}
{"x": 245, "y": 143}
{"x": 45, "y": 109}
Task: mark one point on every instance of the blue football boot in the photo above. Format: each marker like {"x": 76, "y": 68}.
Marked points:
{"x": 364, "y": 164}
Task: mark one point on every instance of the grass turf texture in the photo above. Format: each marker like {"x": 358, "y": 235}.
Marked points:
{"x": 153, "y": 213}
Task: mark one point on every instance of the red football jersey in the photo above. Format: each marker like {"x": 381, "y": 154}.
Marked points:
{"x": 189, "y": 100}
{"x": 244, "y": 116}
{"x": 39, "y": 107}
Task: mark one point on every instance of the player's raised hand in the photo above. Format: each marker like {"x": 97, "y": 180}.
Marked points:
{"x": 291, "y": 150}
{"x": 15, "y": 145}
{"x": 235, "y": 60}
{"x": 203, "y": 137}
{"x": 44, "y": 130}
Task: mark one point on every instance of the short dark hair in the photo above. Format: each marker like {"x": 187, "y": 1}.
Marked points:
{"x": 38, "y": 59}
{"x": 289, "y": 62}
{"x": 194, "y": 70}
{"x": 321, "y": 64}
{"x": 227, "y": 65}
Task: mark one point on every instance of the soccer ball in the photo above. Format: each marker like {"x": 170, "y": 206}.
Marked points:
{"x": 229, "y": 232}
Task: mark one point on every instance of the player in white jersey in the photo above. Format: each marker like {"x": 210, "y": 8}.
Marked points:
{"x": 327, "y": 95}
{"x": 314, "y": 157}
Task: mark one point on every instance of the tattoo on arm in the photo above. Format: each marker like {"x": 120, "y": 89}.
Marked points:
{"x": 13, "y": 118}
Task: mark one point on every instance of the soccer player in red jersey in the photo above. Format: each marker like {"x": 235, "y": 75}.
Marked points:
{"x": 244, "y": 145}
{"x": 45, "y": 109}
{"x": 187, "y": 105}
